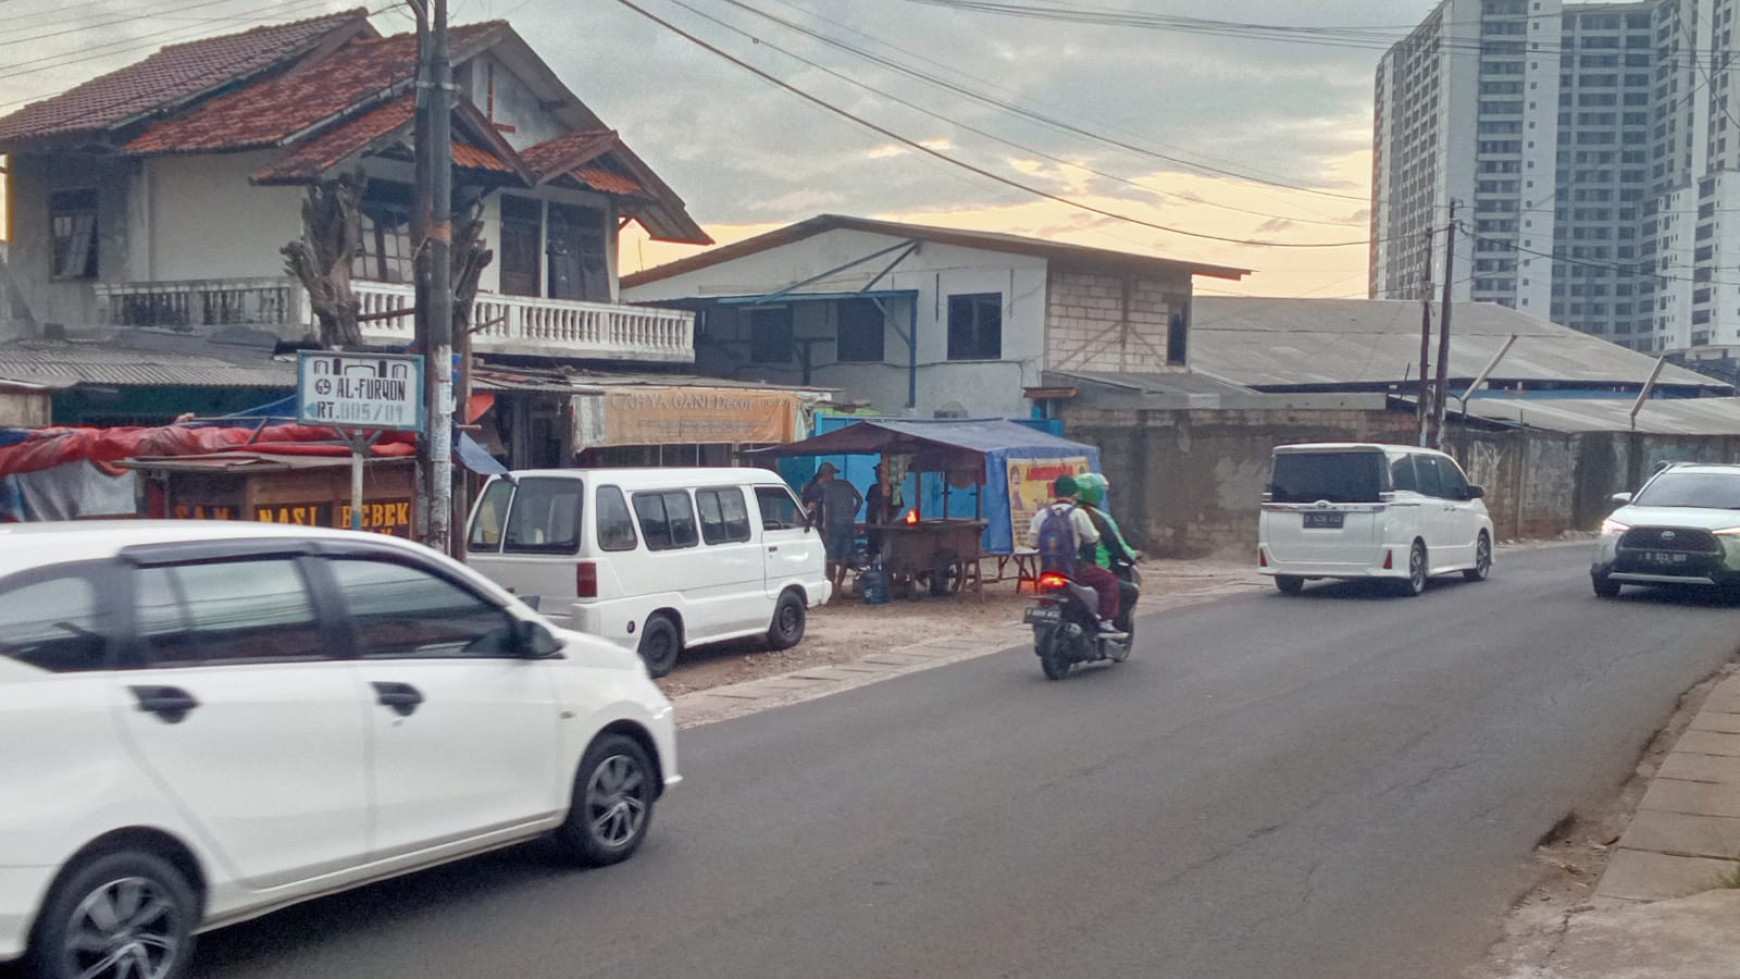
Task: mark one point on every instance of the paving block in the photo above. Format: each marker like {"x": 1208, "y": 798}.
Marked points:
{"x": 1635, "y": 875}
{"x": 1709, "y": 743}
{"x": 1683, "y": 834}
{"x": 1692, "y": 798}
{"x": 1729, "y": 687}
{"x": 1725, "y": 703}
{"x": 1716, "y": 720}
{"x": 1700, "y": 768}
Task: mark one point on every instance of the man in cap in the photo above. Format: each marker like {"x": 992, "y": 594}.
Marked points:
{"x": 840, "y": 501}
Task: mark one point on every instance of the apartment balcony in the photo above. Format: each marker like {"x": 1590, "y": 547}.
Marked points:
{"x": 524, "y": 326}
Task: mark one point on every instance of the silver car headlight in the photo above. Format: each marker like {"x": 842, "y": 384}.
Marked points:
{"x": 1613, "y": 528}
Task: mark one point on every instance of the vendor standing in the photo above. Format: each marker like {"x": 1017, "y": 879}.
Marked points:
{"x": 882, "y": 505}
{"x": 840, "y": 501}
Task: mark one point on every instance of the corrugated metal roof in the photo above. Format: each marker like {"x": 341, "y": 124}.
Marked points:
{"x": 1660, "y": 416}
{"x": 69, "y": 365}
{"x": 1279, "y": 343}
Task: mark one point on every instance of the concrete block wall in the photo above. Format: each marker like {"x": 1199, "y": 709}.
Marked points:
{"x": 1190, "y": 483}
{"x": 1100, "y": 322}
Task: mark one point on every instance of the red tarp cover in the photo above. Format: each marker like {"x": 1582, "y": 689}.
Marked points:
{"x": 52, "y": 447}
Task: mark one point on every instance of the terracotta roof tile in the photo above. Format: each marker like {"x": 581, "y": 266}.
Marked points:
{"x": 267, "y": 113}
{"x": 469, "y": 157}
{"x": 608, "y": 182}
{"x": 548, "y": 158}
{"x": 325, "y": 151}
{"x": 171, "y": 76}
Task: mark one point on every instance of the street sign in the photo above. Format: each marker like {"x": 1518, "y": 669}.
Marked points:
{"x": 360, "y": 391}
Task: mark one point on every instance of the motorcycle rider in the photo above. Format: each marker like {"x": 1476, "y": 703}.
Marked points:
{"x": 1065, "y": 509}
{"x": 1112, "y": 552}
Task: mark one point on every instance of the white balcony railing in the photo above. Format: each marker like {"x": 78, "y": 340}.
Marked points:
{"x": 514, "y": 325}
{"x": 533, "y": 327}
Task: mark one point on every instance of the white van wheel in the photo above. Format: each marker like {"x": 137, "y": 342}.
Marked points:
{"x": 660, "y": 644}
{"x": 789, "y": 619}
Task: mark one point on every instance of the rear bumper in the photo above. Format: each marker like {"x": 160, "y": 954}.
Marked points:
{"x": 1318, "y": 569}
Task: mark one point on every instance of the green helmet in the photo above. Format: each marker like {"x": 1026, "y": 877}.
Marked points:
{"x": 1093, "y": 488}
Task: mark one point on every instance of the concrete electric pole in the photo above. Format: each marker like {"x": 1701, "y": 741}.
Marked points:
{"x": 435, "y": 286}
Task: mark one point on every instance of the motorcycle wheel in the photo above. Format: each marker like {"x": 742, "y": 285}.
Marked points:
{"x": 1052, "y": 658}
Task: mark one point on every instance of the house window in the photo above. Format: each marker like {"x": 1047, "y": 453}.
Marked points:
{"x": 770, "y": 337}
{"x": 1178, "y": 337}
{"x": 579, "y": 264}
{"x": 858, "y": 328}
{"x": 384, "y": 251}
{"x": 522, "y": 221}
{"x": 73, "y": 222}
{"x": 976, "y": 327}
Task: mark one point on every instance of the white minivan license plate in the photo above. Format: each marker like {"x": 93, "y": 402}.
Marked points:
{"x": 1324, "y": 521}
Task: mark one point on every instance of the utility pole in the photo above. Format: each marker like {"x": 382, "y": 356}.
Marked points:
{"x": 1444, "y": 335}
{"x": 435, "y": 136}
{"x": 1423, "y": 404}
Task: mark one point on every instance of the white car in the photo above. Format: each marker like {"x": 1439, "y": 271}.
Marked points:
{"x": 654, "y": 560}
{"x": 204, "y": 722}
{"x": 1360, "y": 511}
{"x": 1681, "y": 528}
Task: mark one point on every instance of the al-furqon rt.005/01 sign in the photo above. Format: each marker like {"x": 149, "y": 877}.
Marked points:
{"x": 355, "y": 390}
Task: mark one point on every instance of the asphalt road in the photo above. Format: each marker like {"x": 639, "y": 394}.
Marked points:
{"x": 1335, "y": 785}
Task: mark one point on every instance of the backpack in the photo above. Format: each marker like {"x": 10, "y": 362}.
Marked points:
{"x": 1057, "y": 541}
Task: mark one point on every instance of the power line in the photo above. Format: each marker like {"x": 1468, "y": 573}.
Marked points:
{"x": 938, "y": 154}
{"x": 1051, "y": 121}
{"x": 981, "y": 132}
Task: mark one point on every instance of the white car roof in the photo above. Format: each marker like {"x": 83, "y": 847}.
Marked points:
{"x": 1354, "y": 447}
{"x": 656, "y": 478}
{"x": 27, "y": 545}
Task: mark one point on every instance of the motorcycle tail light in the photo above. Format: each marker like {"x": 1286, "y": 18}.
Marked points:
{"x": 1052, "y": 581}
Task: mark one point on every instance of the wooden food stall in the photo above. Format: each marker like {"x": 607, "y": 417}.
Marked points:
{"x": 309, "y": 491}
{"x": 994, "y": 457}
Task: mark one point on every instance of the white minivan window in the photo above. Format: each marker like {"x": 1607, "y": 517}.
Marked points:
{"x": 779, "y": 509}
{"x": 1430, "y": 482}
{"x": 1451, "y": 483}
{"x": 667, "y": 520}
{"x": 492, "y": 508}
{"x": 615, "y": 523}
{"x": 724, "y": 518}
{"x": 1402, "y": 476}
{"x": 1337, "y": 477}
{"x": 545, "y": 518}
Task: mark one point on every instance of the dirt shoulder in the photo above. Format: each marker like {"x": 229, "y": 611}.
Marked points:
{"x": 847, "y": 631}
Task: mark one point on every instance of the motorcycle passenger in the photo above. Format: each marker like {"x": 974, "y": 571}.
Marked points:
{"x": 1061, "y": 531}
{"x": 1112, "y": 552}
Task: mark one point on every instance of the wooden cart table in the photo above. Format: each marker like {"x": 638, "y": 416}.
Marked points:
{"x": 944, "y": 553}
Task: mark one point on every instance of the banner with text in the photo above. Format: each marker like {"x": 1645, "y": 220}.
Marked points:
{"x": 685, "y": 416}
{"x": 1030, "y": 489}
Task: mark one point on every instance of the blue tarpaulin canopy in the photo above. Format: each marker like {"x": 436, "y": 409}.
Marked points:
{"x": 978, "y": 450}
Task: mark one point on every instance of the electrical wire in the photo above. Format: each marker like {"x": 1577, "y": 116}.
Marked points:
{"x": 955, "y": 161}
{"x": 986, "y": 134}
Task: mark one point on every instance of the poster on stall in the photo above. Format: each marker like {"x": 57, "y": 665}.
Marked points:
{"x": 1030, "y": 489}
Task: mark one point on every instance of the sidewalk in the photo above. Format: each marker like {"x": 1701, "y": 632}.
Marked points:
{"x": 1663, "y": 906}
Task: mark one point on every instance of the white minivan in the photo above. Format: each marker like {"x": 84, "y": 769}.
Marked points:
{"x": 1353, "y": 510}
{"x": 654, "y": 560}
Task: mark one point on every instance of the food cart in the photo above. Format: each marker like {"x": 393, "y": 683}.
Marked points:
{"x": 1008, "y": 465}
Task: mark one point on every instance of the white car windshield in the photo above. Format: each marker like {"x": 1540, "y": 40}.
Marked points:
{"x": 1707, "y": 491}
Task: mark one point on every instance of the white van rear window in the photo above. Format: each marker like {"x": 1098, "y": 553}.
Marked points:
{"x": 1335, "y": 477}
{"x": 545, "y": 518}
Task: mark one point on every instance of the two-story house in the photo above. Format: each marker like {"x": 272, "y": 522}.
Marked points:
{"x": 931, "y": 321}
{"x": 158, "y": 196}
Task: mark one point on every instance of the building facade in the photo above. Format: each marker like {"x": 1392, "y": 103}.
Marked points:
{"x": 1589, "y": 149}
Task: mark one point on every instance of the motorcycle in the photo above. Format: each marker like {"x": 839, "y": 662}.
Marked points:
{"x": 1066, "y": 624}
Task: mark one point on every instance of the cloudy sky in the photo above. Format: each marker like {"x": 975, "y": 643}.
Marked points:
{"x": 748, "y": 156}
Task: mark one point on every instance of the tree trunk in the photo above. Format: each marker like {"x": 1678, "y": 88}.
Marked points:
{"x": 321, "y": 259}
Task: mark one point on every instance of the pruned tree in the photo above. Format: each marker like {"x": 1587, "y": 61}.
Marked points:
{"x": 321, "y": 259}
{"x": 470, "y": 256}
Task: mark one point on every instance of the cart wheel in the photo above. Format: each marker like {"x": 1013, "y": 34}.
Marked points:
{"x": 946, "y": 573}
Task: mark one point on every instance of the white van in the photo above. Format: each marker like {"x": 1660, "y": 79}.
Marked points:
{"x": 1350, "y": 510}
{"x": 654, "y": 560}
